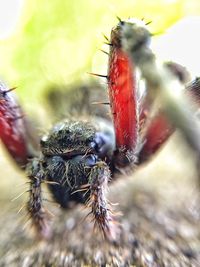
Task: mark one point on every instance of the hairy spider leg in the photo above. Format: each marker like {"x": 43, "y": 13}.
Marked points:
{"x": 39, "y": 217}
{"x": 100, "y": 209}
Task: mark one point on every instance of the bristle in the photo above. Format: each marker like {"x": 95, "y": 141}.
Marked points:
{"x": 101, "y": 103}
{"x": 98, "y": 75}
{"x": 51, "y": 182}
{"x": 9, "y": 90}
{"x": 149, "y": 22}
{"x": 79, "y": 190}
{"x": 119, "y": 19}
{"x": 15, "y": 198}
{"x": 21, "y": 208}
{"x": 110, "y": 44}
{"x": 107, "y": 39}
{"x": 104, "y": 52}
{"x": 27, "y": 222}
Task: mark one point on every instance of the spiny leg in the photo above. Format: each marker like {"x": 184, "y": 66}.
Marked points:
{"x": 162, "y": 84}
{"x": 156, "y": 129}
{"x": 101, "y": 210}
{"x": 131, "y": 110}
{"x": 122, "y": 86}
{"x": 39, "y": 217}
{"x": 14, "y": 129}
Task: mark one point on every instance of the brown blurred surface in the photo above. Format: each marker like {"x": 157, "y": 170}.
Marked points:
{"x": 160, "y": 222}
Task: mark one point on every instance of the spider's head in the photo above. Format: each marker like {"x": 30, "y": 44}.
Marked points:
{"x": 73, "y": 138}
{"x": 68, "y": 138}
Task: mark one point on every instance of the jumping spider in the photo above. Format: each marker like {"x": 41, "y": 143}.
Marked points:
{"x": 79, "y": 158}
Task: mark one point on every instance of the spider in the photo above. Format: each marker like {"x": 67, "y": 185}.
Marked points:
{"x": 77, "y": 159}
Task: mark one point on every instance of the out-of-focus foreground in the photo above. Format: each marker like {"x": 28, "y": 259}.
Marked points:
{"x": 160, "y": 222}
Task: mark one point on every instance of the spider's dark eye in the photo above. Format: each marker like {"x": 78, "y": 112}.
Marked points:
{"x": 90, "y": 160}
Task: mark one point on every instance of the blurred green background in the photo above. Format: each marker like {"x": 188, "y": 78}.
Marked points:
{"x": 43, "y": 43}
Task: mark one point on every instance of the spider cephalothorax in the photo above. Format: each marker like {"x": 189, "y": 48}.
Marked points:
{"x": 77, "y": 159}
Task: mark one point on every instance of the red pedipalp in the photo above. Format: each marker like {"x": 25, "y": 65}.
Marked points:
{"x": 122, "y": 93}
{"x": 128, "y": 124}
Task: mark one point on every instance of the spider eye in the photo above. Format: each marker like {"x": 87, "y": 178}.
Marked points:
{"x": 90, "y": 160}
